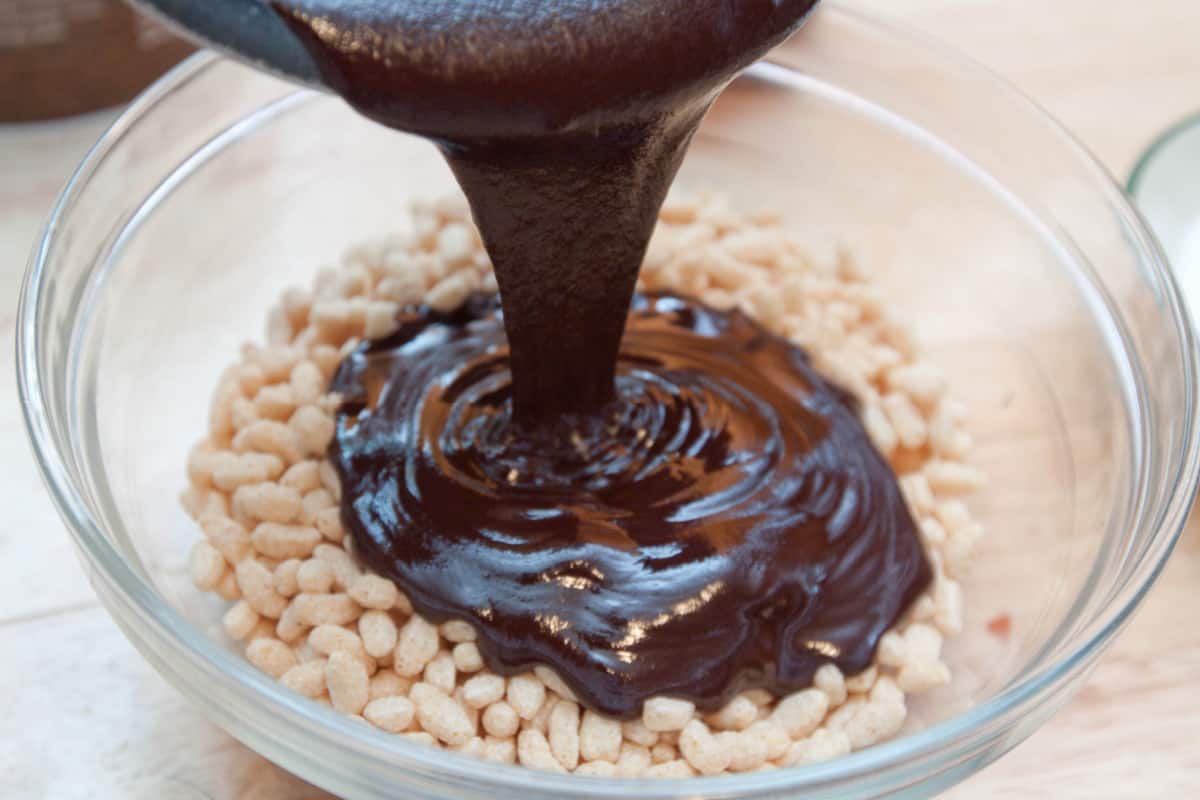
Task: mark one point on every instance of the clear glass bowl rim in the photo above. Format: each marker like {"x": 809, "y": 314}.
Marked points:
{"x": 153, "y": 624}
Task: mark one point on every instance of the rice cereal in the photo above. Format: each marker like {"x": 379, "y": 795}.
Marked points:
{"x": 265, "y": 498}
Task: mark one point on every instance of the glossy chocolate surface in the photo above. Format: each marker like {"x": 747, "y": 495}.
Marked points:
{"x": 724, "y": 523}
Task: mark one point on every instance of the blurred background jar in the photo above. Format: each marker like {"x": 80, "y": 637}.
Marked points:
{"x": 64, "y": 57}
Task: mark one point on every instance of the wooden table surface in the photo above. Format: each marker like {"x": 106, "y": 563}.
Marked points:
{"x": 81, "y": 715}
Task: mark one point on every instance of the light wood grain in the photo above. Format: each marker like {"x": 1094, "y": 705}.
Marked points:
{"x": 84, "y": 716}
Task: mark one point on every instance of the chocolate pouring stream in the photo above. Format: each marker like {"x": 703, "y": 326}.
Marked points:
{"x": 564, "y": 123}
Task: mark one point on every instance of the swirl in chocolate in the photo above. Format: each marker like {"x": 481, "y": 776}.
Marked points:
{"x": 723, "y": 523}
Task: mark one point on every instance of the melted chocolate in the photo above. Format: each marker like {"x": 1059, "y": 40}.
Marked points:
{"x": 698, "y": 514}
{"x": 724, "y": 523}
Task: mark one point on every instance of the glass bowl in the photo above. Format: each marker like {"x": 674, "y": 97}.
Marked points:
{"x": 1030, "y": 280}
